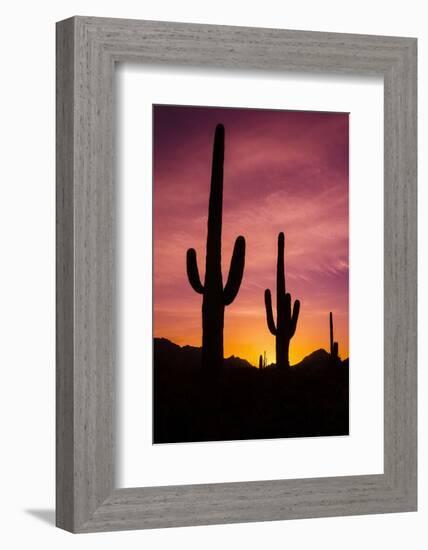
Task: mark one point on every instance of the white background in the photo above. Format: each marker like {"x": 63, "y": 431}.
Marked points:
{"x": 361, "y": 452}
{"x": 27, "y": 274}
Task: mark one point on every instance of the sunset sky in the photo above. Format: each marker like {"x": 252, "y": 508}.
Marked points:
{"x": 283, "y": 171}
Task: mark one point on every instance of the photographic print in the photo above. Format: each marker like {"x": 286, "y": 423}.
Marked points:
{"x": 250, "y": 274}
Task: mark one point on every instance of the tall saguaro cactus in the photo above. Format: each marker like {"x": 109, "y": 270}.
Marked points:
{"x": 215, "y": 297}
{"x": 334, "y": 346}
{"x": 285, "y": 320}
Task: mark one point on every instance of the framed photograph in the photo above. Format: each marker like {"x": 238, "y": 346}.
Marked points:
{"x": 236, "y": 274}
{"x": 262, "y": 371}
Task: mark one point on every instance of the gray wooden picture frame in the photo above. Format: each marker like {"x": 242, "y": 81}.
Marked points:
{"x": 87, "y": 50}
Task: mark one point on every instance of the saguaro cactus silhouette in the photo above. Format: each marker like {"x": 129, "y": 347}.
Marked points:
{"x": 285, "y": 321}
{"x": 260, "y": 362}
{"x": 334, "y": 346}
{"x": 215, "y": 297}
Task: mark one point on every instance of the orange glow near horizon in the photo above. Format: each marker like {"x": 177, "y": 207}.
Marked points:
{"x": 284, "y": 171}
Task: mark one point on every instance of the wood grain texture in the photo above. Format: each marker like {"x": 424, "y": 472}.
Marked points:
{"x": 64, "y": 276}
{"x": 87, "y": 50}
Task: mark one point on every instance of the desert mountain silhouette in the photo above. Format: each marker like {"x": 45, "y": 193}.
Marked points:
{"x": 190, "y": 355}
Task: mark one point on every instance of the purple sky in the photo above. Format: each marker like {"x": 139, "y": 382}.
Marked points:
{"x": 284, "y": 171}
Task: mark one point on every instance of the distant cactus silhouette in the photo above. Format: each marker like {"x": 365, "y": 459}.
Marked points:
{"x": 334, "y": 346}
{"x": 215, "y": 297}
{"x": 264, "y": 359}
{"x": 286, "y": 322}
{"x": 261, "y": 362}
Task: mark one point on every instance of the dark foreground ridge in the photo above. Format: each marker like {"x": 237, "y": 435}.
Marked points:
{"x": 243, "y": 402}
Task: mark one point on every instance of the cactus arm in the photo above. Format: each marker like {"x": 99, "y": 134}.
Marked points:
{"x": 236, "y": 272}
{"x": 269, "y": 312}
{"x": 295, "y": 316}
{"x": 192, "y": 271}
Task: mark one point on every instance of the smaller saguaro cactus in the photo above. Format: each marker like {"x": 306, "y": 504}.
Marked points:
{"x": 334, "y": 346}
{"x": 260, "y": 362}
{"x": 264, "y": 360}
{"x": 285, "y": 320}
